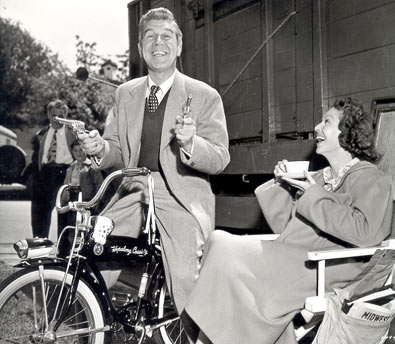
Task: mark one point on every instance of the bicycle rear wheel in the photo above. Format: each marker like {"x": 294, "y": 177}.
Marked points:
{"x": 23, "y": 317}
{"x": 173, "y": 333}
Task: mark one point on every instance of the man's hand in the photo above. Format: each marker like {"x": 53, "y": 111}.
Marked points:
{"x": 92, "y": 143}
{"x": 185, "y": 130}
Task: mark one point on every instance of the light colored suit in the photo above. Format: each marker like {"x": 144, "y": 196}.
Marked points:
{"x": 41, "y": 136}
{"x": 187, "y": 179}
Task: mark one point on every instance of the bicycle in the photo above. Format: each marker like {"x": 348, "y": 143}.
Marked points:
{"x": 66, "y": 300}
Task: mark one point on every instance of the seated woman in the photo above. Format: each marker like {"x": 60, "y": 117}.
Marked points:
{"x": 249, "y": 290}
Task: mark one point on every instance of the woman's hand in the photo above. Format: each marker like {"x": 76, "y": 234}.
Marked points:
{"x": 301, "y": 184}
{"x": 280, "y": 168}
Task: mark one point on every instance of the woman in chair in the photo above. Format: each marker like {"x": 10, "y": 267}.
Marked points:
{"x": 249, "y": 290}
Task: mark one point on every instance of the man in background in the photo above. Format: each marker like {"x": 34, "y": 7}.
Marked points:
{"x": 50, "y": 159}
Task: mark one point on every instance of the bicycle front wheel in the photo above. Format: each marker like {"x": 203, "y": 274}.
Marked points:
{"x": 26, "y": 318}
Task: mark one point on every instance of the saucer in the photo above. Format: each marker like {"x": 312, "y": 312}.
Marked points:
{"x": 295, "y": 175}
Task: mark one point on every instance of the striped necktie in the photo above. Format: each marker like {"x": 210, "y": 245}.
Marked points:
{"x": 52, "y": 149}
{"x": 152, "y": 99}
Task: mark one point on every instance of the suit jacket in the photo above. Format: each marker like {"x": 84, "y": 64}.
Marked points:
{"x": 39, "y": 141}
{"x": 187, "y": 178}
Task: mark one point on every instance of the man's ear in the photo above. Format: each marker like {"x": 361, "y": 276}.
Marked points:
{"x": 179, "y": 47}
{"x": 139, "y": 49}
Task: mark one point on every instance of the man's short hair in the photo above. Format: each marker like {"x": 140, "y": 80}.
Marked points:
{"x": 160, "y": 13}
{"x": 58, "y": 104}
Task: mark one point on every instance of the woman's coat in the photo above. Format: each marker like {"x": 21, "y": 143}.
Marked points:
{"x": 249, "y": 290}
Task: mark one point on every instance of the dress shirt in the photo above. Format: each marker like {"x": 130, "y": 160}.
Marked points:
{"x": 63, "y": 155}
{"x": 164, "y": 88}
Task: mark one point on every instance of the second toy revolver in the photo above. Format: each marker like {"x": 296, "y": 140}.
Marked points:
{"x": 78, "y": 127}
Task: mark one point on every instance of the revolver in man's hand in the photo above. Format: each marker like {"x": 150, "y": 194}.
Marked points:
{"x": 78, "y": 127}
{"x": 186, "y": 109}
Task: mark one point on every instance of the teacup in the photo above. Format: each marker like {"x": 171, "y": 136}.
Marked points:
{"x": 297, "y": 166}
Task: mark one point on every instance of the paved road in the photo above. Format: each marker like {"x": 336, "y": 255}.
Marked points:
{"x": 15, "y": 225}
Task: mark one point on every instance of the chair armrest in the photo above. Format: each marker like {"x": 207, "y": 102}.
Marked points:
{"x": 350, "y": 252}
{"x": 342, "y": 253}
{"x": 322, "y": 256}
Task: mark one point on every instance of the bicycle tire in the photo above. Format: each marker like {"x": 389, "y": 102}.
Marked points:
{"x": 22, "y": 315}
{"x": 173, "y": 333}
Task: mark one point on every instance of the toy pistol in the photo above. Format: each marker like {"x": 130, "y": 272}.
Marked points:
{"x": 78, "y": 127}
{"x": 186, "y": 109}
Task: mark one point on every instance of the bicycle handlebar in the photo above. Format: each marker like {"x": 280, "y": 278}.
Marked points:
{"x": 74, "y": 206}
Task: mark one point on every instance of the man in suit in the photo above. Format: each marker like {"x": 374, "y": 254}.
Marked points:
{"x": 146, "y": 128}
{"x": 50, "y": 159}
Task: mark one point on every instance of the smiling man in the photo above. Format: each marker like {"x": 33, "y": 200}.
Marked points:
{"x": 150, "y": 126}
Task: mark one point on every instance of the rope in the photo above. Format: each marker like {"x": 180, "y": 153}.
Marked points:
{"x": 257, "y": 52}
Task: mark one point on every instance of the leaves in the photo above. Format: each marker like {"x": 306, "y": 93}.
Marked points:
{"x": 31, "y": 76}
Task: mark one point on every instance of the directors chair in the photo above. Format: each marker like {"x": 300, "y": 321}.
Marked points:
{"x": 384, "y": 114}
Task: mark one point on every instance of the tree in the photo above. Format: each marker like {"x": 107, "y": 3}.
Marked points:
{"x": 25, "y": 66}
{"x": 31, "y": 76}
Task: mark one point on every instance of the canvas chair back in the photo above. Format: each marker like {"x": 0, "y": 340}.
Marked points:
{"x": 385, "y": 144}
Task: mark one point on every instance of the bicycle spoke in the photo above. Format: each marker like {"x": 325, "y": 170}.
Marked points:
{"x": 74, "y": 315}
{"x": 26, "y": 303}
{"x": 34, "y": 307}
{"x": 178, "y": 337}
{"x": 64, "y": 302}
{"x": 12, "y": 339}
{"x": 52, "y": 295}
{"x": 171, "y": 329}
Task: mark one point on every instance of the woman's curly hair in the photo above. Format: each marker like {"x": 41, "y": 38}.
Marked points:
{"x": 356, "y": 130}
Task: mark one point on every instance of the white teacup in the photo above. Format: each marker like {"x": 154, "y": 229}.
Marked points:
{"x": 295, "y": 169}
{"x": 297, "y": 166}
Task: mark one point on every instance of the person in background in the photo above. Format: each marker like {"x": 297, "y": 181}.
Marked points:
{"x": 50, "y": 159}
{"x": 82, "y": 178}
{"x": 249, "y": 290}
{"x": 148, "y": 128}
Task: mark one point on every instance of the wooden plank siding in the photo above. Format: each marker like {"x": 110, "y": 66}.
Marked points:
{"x": 228, "y": 214}
{"x": 361, "y": 63}
{"x": 236, "y": 38}
{"x": 328, "y": 49}
{"x": 263, "y": 158}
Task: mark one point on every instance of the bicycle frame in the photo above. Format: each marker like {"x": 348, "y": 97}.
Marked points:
{"x": 88, "y": 249}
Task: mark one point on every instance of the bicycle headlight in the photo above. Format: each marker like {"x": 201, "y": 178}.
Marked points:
{"x": 33, "y": 248}
{"x": 21, "y": 247}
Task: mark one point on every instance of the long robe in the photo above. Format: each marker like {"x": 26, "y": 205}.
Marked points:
{"x": 249, "y": 290}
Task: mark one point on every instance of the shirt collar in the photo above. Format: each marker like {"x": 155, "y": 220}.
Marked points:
{"x": 60, "y": 130}
{"x": 164, "y": 86}
{"x": 332, "y": 182}
{"x": 86, "y": 165}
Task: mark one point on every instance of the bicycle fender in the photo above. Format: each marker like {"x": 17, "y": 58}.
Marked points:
{"x": 88, "y": 275}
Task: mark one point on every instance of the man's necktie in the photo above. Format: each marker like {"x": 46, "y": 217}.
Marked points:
{"x": 52, "y": 149}
{"x": 152, "y": 99}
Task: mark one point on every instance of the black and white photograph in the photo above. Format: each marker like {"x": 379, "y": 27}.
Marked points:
{"x": 197, "y": 171}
